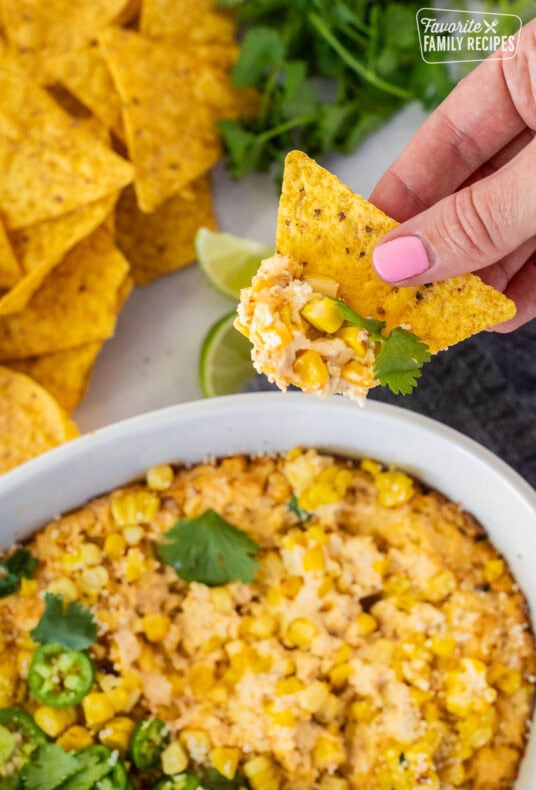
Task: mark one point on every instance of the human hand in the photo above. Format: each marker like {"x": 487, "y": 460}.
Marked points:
{"x": 464, "y": 188}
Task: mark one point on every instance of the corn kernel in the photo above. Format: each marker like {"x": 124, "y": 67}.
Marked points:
{"x": 439, "y": 586}
{"x": 318, "y": 495}
{"x": 200, "y": 678}
{"x": 443, "y": 646}
{"x": 324, "y": 314}
{"x": 394, "y": 488}
{"x": 329, "y": 710}
{"x": 222, "y": 600}
{"x": 289, "y": 685}
{"x": 329, "y": 782}
{"x": 352, "y": 337}
{"x": 362, "y": 711}
{"x": 300, "y": 633}
{"x": 313, "y": 560}
{"x": 260, "y": 627}
{"x": 311, "y": 370}
{"x": 291, "y": 585}
{"x": 115, "y": 545}
{"x": 467, "y": 689}
{"x": 261, "y": 773}
{"x": 54, "y": 721}
{"x": 92, "y": 580}
{"x": 328, "y": 753}
{"x": 357, "y": 373}
{"x": 196, "y": 743}
{"x": 90, "y": 554}
{"x": 340, "y": 674}
{"x": 28, "y": 588}
{"x": 476, "y": 730}
{"x": 273, "y": 596}
{"x": 323, "y": 285}
{"x": 159, "y": 477}
{"x": 174, "y": 759}
{"x": 314, "y": 696}
{"x": 64, "y": 587}
{"x": 343, "y": 653}
{"x": 281, "y": 718}
{"x": 504, "y": 678}
{"x": 493, "y": 570}
{"x": 135, "y": 565}
{"x": 155, "y": 626}
{"x": 370, "y": 466}
{"x": 75, "y": 738}
{"x": 133, "y": 535}
{"x": 116, "y": 734}
{"x": 366, "y": 624}
{"x": 97, "y": 709}
{"x": 225, "y": 761}
{"x": 317, "y": 534}
{"x": 138, "y": 507}
{"x": 325, "y": 587}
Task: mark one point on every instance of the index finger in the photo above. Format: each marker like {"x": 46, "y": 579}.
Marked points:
{"x": 476, "y": 120}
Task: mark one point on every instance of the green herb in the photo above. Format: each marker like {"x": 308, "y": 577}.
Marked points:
{"x": 303, "y": 515}
{"x": 49, "y": 768}
{"x": 213, "y": 780}
{"x": 72, "y": 626}
{"x": 329, "y": 72}
{"x": 21, "y": 565}
{"x": 209, "y": 550}
{"x": 402, "y": 355}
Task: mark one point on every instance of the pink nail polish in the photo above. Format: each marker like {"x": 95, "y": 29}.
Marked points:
{"x": 401, "y": 258}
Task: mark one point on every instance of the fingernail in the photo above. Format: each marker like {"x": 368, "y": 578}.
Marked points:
{"x": 401, "y": 258}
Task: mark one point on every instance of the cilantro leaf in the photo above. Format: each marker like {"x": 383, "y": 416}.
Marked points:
{"x": 303, "y": 515}
{"x": 399, "y": 361}
{"x": 213, "y": 780}
{"x": 72, "y": 626}
{"x": 21, "y": 565}
{"x": 371, "y": 325}
{"x": 49, "y": 768}
{"x": 210, "y": 550}
{"x": 261, "y": 47}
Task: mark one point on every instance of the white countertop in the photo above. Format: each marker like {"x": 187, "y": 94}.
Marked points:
{"x": 152, "y": 360}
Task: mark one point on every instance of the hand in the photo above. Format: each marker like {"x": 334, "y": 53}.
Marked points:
{"x": 464, "y": 188}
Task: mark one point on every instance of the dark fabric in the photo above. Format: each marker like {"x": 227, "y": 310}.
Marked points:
{"x": 485, "y": 388}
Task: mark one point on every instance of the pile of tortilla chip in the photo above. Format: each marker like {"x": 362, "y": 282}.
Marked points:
{"x": 108, "y": 131}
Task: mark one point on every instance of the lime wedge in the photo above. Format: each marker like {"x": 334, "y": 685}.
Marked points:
{"x": 229, "y": 261}
{"x": 225, "y": 361}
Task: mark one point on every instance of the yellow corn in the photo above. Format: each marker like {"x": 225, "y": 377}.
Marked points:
{"x": 476, "y": 730}
{"x": 439, "y": 586}
{"x": 289, "y": 685}
{"x": 260, "y": 627}
{"x": 159, "y": 477}
{"x": 281, "y": 718}
{"x": 324, "y": 314}
{"x": 352, "y": 337}
{"x": 24, "y": 659}
{"x": 261, "y": 773}
{"x": 28, "y": 588}
{"x": 329, "y": 782}
{"x": 467, "y": 689}
{"x": 323, "y": 285}
{"x": 97, "y": 709}
{"x": 328, "y": 752}
{"x": 92, "y": 580}
{"x": 340, "y": 674}
{"x": 370, "y": 466}
{"x": 493, "y": 570}
{"x": 366, "y": 624}
{"x": 318, "y": 495}
{"x": 225, "y": 761}
{"x": 291, "y": 585}
{"x": 362, "y": 711}
{"x": 314, "y": 696}
{"x": 201, "y": 678}
{"x": 196, "y": 743}
{"x": 300, "y": 633}
{"x": 313, "y": 559}
{"x": 115, "y": 545}
{"x": 317, "y": 535}
{"x": 343, "y": 653}
{"x": 138, "y": 507}
{"x": 311, "y": 370}
{"x": 394, "y": 488}
{"x": 75, "y": 738}
{"x": 443, "y": 646}
{"x": 273, "y": 595}
{"x": 357, "y": 374}
{"x": 325, "y": 587}
{"x": 54, "y": 721}
{"x": 133, "y": 535}
{"x": 329, "y": 710}
{"x": 155, "y": 626}
{"x": 504, "y": 678}
{"x": 174, "y": 759}
{"x": 135, "y": 565}
{"x": 116, "y": 734}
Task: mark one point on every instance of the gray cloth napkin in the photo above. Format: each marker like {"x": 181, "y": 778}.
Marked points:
{"x": 485, "y": 388}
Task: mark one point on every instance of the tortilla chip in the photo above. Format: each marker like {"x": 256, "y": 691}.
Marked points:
{"x": 158, "y": 243}
{"x": 49, "y": 164}
{"x": 41, "y": 247}
{"x": 322, "y": 222}
{"x": 10, "y": 270}
{"x": 77, "y": 303}
{"x": 193, "y": 21}
{"x": 170, "y": 106}
{"x": 64, "y": 374}
{"x": 31, "y": 421}
{"x": 85, "y": 74}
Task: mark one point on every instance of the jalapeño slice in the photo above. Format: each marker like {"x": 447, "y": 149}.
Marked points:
{"x": 149, "y": 739}
{"x": 178, "y": 782}
{"x": 19, "y": 738}
{"x": 60, "y": 677}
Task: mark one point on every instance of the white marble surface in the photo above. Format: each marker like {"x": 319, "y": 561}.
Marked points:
{"x": 152, "y": 360}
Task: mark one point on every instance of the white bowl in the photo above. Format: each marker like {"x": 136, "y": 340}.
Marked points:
{"x": 444, "y": 459}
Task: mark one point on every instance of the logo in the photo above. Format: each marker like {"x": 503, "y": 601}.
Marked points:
{"x": 449, "y": 36}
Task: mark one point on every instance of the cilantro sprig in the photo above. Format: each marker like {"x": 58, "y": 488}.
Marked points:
{"x": 210, "y": 550}
{"x": 49, "y": 768}
{"x": 329, "y": 73}
{"x": 72, "y": 626}
{"x": 402, "y": 354}
{"x": 20, "y": 565}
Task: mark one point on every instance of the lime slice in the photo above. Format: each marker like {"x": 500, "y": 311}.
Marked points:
{"x": 229, "y": 261}
{"x": 225, "y": 361}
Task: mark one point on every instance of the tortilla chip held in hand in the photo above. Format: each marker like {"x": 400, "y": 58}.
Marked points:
{"x": 320, "y": 318}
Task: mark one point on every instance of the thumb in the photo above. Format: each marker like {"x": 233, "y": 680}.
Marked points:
{"x": 465, "y": 231}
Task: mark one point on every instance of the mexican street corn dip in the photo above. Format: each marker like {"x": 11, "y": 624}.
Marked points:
{"x": 272, "y": 623}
